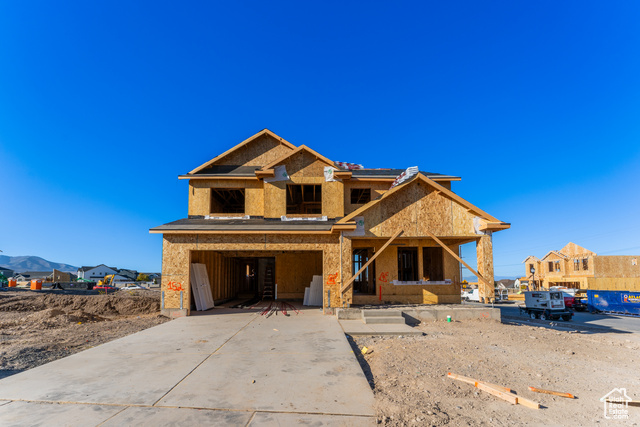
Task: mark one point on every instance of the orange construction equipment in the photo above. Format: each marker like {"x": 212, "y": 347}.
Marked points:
{"x": 36, "y": 284}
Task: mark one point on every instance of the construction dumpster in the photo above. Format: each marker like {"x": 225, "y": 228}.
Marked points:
{"x": 622, "y": 302}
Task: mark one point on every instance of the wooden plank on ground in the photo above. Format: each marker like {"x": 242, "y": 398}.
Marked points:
{"x": 473, "y": 382}
{"x": 555, "y": 393}
{"x": 509, "y": 397}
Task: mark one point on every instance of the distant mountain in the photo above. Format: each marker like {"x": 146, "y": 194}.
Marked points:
{"x": 33, "y": 263}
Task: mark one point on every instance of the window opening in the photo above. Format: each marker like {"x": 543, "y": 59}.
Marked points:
{"x": 304, "y": 199}
{"x": 432, "y": 264}
{"x": 360, "y": 196}
{"x": 407, "y": 264}
{"x": 227, "y": 200}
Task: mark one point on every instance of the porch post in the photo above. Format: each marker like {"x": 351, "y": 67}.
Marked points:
{"x": 484, "y": 253}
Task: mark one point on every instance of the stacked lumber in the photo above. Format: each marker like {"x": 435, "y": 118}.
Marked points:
{"x": 200, "y": 287}
{"x": 313, "y": 293}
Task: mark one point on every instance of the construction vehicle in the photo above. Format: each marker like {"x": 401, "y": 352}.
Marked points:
{"x": 106, "y": 284}
{"x": 545, "y": 305}
{"x": 3, "y": 280}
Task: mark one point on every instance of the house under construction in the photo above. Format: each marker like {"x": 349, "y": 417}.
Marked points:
{"x": 576, "y": 267}
{"x": 268, "y": 212}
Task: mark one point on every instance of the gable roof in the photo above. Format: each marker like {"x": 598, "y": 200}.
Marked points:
{"x": 421, "y": 177}
{"x": 535, "y": 258}
{"x": 242, "y": 144}
{"x": 571, "y": 249}
{"x": 561, "y": 255}
{"x": 300, "y": 149}
{"x": 85, "y": 268}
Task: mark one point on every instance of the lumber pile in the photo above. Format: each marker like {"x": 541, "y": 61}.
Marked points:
{"x": 313, "y": 293}
{"x": 200, "y": 287}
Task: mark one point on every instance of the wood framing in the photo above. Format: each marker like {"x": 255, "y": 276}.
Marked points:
{"x": 249, "y": 226}
{"x": 364, "y": 267}
{"x": 576, "y": 267}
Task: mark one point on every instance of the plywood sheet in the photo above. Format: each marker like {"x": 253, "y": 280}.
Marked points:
{"x": 259, "y": 152}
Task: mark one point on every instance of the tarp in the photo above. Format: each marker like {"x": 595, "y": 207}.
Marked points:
{"x": 280, "y": 174}
{"x": 613, "y": 301}
{"x": 406, "y": 175}
{"x": 349, "y": 166}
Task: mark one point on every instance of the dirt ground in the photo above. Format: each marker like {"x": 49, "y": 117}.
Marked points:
{"x": 37, "y": 327}
{"x": 409, "y": 375}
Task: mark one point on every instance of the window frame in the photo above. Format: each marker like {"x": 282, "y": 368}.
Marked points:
{"x": 362, "y": 198}
{"x": 408, "y": 273}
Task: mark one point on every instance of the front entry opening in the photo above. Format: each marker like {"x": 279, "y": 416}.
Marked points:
{"x": 365, "y": 283}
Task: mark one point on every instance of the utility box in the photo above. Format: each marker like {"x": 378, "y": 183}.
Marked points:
{"x": 546, "y": 300}
{"x": 545, "y": 305}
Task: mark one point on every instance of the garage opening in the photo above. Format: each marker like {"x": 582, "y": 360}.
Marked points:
{"x": 253, "y": 275}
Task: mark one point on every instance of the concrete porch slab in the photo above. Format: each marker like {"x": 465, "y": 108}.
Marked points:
{"x": 357, "y": 327}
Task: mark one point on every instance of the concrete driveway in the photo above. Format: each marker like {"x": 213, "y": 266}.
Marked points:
{"x": 229, "y": 367}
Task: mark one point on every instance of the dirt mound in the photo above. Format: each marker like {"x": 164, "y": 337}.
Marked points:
{"x": 37, "y": 327}
{"x": 117, "y": 304}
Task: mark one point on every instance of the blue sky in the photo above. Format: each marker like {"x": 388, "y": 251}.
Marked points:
{"x": 103, "y": 104}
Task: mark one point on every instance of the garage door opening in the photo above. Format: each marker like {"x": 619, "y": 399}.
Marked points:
{"x": 253, "y": 275}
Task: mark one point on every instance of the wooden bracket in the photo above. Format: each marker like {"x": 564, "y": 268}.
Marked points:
{"x": 453, "y": 254}
{"x": 378, "y": 252}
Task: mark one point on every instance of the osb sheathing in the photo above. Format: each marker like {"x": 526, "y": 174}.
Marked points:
{"x": 275, "y": 199}
{"x": 484, "y": 254}
{"x": 175, "y": 271}
{"x": 332, "y": 200}
{"x": 620, "y": 266}
{"x": 386, "y": 266}
{"x": 259, "y": 152}
{"x": 305, "y": 165}
{"x": 378, "y": 188}
{"x": 200, "y": 195}
{"x": 177, "y": 249}
{"x": 416, "y": 209}
{"x": 295, "y": 271}
{"x": 573, "y": 250}
{"x": 614, "y": 284}
{"x": 304, "y": 168}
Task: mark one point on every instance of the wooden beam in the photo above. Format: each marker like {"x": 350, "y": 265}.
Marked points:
{"x": 344, "y": 175}
{"x": 495, "y": 226}
{"x": 453, "y": 254}
{"x": 474, "y": 381}
{"x": 509, "y": 397}
{"x": 555, "y": 393}
{"x": 378, "y": 252}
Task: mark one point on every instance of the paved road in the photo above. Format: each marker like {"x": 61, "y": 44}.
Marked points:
{"x": 227, "y": 367}
{"x": 581, "y": 320}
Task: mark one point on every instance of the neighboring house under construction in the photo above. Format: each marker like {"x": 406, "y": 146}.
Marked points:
{"x": 576, "y": 267}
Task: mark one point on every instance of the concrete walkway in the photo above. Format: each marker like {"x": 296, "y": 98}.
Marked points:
{"x": 226, "y": 367}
